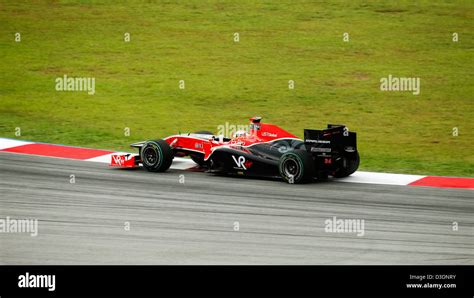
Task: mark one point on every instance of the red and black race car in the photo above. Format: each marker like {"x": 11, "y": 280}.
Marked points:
{"x": 265, "y": 150}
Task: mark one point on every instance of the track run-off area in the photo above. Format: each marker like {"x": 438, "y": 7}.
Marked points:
{"x": 89, "y": 213}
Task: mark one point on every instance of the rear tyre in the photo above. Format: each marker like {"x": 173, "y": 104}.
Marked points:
{"x": 350, "y": 165}
{"x": 199, "y": 158}
{"x": 296, "y": 166}
{"x": 156, "y": 156}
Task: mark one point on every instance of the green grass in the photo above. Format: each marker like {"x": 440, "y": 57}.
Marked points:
{"x": 336, "y": 81}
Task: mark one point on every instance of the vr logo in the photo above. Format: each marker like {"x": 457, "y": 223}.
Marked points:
{"x": 240, "y": 162}
{"x": 118, "y": 159}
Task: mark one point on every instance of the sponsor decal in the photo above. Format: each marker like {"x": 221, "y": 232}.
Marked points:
{"x": 349, "y": 149}
{"x": 316, "y": 149}
{"x": 248, "y": 164}
{"x": 237, "y": 142}
{"x": 269, "y": 134}
{"x": 241, "y": 162}
{"x": 122, "y": 160}
{"x": 118, "y": 160}
{"x": 317, "y": 141}
{"x": 198, "y": 145}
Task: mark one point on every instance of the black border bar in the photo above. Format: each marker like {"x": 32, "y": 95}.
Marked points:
{"x": 220, "y": 281}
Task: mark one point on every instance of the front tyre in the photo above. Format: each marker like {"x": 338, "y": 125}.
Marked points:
{"x": 296, "y": 166}
{"x": 156, "y": 156}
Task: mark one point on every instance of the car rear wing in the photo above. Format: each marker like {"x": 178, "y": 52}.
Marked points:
{"x": 335, "y": 139}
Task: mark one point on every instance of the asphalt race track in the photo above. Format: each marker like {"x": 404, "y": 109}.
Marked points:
{"x": 193, "y": 222}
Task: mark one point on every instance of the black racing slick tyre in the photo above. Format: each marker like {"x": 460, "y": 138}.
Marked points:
{"x": 349, "y": 166}
{"x": 296, "y": 166}
{"x": 199, "y": 158}
{"x": 156, "y": 156}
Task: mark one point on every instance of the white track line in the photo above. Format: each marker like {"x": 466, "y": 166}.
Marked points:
{"x": 181, "y": 163}
{"x": 9, "y": 143}
{"x": 380, "y": 178}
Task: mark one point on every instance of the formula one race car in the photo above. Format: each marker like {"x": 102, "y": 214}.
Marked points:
{"x": 264, "y": 150}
